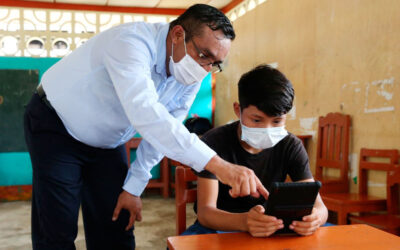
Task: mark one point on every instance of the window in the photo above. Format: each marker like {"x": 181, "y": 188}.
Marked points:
{"x": 55, "y": 33}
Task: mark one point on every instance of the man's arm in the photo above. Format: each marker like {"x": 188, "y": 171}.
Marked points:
{"x": 128, "y": 64}
{"x": 129, "y": 69}
{"x": 147, "y": 156}
{"x": 311, "y": 222}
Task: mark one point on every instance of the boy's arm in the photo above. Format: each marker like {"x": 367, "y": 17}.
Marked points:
{"x": 254, "y": 221}
{"x": 311, "y": 222}
{"x": 321, "y": 209}
{"x": 208, "y": 213}
{"x": 319, "y": 206}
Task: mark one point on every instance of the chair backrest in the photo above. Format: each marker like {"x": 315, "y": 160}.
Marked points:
{"x": 184, "y": 193}
{"x": 393, "y": 195}
{"x": 366, "y": 164}
{"x": 131, "y": 144}
{"x": 333, "y": 144}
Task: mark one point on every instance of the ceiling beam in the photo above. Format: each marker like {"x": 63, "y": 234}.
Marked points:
{"x": 231, "y": 5}
{"x": 88, "y": 7}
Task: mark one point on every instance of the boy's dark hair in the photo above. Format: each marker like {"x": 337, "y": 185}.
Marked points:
{"x": 193, "y": 19}
{"x": 267, "y": 89}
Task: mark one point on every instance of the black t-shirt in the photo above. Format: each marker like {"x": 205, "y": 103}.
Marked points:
{"x": 288, "y": 157}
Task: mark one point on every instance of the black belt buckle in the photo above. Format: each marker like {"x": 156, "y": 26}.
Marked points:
{"x": 42, "y": 95}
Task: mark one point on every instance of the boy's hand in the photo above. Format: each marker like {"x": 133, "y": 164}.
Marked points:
{"x": 309, "y": 224}
{"x": 261, "y": 225}
{"x": 243, "y": 180}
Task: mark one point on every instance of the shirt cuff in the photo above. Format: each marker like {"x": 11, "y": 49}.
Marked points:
{"x": 198, "y": 155}
{"x": 135, "y": 185}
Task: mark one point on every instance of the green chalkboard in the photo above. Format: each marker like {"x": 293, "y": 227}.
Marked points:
{"x": 16, "y": 89}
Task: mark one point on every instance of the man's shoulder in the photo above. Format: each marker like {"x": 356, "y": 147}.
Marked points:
{"x": 142, "y": 26}
{"x": 146, "y": 32}
{"x": 136, "y": 37}
{"x": 153, "y": 28}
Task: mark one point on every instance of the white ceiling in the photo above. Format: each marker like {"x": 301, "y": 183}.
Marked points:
{"x": 179, "y": 4}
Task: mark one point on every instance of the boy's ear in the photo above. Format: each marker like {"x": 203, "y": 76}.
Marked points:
{"x": 236, "y": 108}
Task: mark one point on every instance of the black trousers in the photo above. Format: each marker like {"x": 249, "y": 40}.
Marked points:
{"x": 66, "y": 174}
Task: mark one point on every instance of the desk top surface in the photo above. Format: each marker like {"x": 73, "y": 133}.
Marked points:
{"x": 304, "y": 136}
{"x": 334, "y": 237}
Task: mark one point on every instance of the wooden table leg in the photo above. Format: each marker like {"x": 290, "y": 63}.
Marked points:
{"x": 165, "y": 177}
{"x": 342, "y": 217}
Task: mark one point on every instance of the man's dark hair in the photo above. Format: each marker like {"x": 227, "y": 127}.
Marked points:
{"x": 198, "y": 15}
{"x": 267, "y": 89}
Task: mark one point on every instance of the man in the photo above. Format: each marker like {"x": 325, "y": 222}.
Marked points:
{"x": 258, "y": 140}
{"x": 135, "y": 77}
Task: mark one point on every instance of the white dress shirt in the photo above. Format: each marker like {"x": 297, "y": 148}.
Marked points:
{"x": 116, "y": 85}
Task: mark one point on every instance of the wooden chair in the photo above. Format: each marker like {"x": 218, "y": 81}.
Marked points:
{"x": 345, "y": 203}
{"x": 173, "y": 164}
{"x": 163, "y": 182}
{"x": 389, "y": 222}
{"x": 185, "y": 193}
{"x": 333, "y": 152}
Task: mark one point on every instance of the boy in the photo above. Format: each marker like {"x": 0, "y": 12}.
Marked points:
{"x": 260, "y": 142}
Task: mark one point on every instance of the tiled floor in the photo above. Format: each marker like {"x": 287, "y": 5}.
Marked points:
{"x": 158, "y": 223}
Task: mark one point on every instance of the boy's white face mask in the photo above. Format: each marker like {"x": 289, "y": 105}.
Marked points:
{"x": 187, "y": 71}
{"x": 262, "y": 138}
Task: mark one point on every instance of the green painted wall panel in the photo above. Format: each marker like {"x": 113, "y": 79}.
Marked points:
{"x": 15, "y": 167}
{"x": 202, "y": 105}
{"x": 41, "y": 64}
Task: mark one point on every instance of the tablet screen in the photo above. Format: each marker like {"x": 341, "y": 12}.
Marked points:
{"x": 291, "y": 201}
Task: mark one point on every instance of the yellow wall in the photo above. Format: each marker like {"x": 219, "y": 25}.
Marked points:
{"x": 341, "y": 56}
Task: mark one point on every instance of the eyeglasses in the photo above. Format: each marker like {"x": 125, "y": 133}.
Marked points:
{"x": 205, "y": 60}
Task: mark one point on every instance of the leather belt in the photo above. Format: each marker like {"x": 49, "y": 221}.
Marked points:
{"x": 42, "y": 95}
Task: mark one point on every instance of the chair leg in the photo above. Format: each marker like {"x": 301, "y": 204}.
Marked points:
{"x": 165, "y": 177}
{"x": 180, "y": 218}
{"x": 342, "y": 217}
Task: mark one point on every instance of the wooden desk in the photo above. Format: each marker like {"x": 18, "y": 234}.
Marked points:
{"x": 304, "y": 139}
{"x": 335, "y": 237}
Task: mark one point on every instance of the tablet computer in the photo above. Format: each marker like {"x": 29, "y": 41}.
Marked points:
{"x": 291, "y": 201}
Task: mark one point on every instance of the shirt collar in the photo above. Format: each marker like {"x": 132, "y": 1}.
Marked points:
{"x": 161, "y": 40}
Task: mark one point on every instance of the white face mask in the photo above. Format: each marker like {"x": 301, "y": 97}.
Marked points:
{"x": 187, "y": 71}
{"x": 262, "y": 138}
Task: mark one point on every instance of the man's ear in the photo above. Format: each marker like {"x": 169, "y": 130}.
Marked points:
{"x": 236, "y": 109}
{"x": 177, "y": 33}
